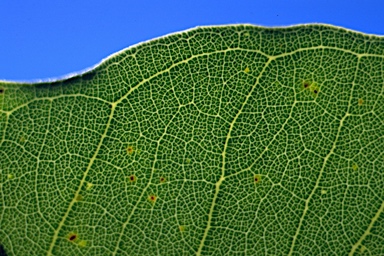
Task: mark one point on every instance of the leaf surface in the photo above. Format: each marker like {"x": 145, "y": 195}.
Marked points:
{"x": 224, "y": 140}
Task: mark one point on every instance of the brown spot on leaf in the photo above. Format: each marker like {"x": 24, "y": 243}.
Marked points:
{"x": 152, "y": 198}
{"x": 257, "y": 178}
{"x": 132, "y": 178}
{"x": 130, "y": 150}
{"x": 360, "y": 102}
{"x": 72, "y": 237}
{"x": 78, "y": 198}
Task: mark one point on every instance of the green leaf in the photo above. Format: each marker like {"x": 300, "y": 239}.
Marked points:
{"x": 224, "y": 140}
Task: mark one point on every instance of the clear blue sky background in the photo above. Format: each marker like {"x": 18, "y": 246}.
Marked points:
{"x": 51, "y": 38}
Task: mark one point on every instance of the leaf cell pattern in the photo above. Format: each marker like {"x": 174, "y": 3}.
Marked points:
{"x": 232, "y": 140}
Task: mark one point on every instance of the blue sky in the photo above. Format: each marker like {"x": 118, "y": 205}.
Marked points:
{"x": 52, "y": 38}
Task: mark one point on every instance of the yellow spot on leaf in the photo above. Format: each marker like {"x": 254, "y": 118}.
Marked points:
{"x": 362, "y": 249}
{"x": 314, "y": 88}
{"x": 246, "y": 34}
{"x": 22, "y": 139}
{"x": 188, "y": 160}
{"x": 323, "y": 191}
{"x": 311, "y": 86}
{"x": 182, "y": 228}
{"x": 10, "y": 176}
{"x": 246, "y": 70}
{"x": 130, "y": 150}
{"x": 355, "y": 167}
{"x": 89, "y": 186}
{"x": 82, "y": 243}
{"x": 361, "y": 101}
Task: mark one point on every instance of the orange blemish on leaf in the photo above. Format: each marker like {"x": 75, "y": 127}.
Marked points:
{"x": 130, "y": 150}
{"x": 152, "y": 198}
{"x": 132, "y": 178}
